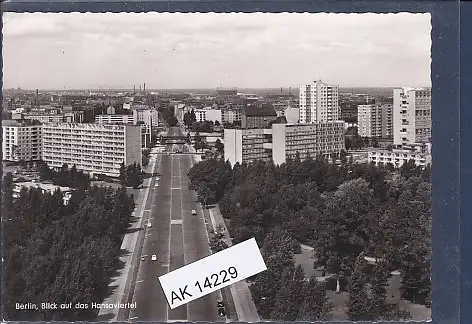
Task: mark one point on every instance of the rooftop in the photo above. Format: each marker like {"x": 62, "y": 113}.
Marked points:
{"x": 44, "y": 186}
{"x": 260, "y": 110}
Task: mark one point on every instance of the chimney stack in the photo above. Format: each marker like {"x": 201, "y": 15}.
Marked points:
{"x": 37, "y": 97}
{"x": 144, "y": 87}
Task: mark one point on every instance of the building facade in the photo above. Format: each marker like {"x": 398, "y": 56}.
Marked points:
{"x": 93, "y": 148}
{"x": 398, "y": 157}
{"x": 114, "y": 119}
{"x": 258, "y": 116}
{"x": 411, "y": 116}
{"x": 208, "y": 115}
{"x": 283, "y": 141}
{"x": 230, "y": 116}
{"x": 319, "y": 103}
{"x": 375, "y": 120}
{"x": 21, "y": 140}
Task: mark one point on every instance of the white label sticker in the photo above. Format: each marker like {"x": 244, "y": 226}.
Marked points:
{"x": 214, "y": 272}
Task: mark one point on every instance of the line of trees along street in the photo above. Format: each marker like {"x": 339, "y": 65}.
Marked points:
{"x": 168, "y": 116}
{"x": 341, "y": 211}
{"x": 60, "y": 253}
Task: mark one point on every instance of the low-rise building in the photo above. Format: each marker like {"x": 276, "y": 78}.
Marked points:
{"x": 21, "y": 140}
{"x": 284, "y": 141}
{"x": 45, "y": 187}
{"x": 397, "y": 157}
{"x": 93, "y": 148}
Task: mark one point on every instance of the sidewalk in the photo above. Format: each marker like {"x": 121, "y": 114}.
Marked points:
{"x": 242, "y": 297}
{"x": 121, "y": 282}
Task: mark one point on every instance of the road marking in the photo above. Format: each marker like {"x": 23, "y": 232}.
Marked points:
{"x": 176, "y": 222}
{"x": 177, "y": 188}
{"x": 133, "y": 318}
{"x": 139, "y": 281}
{"x": 147, "y": 210}
{"x": 175, "y": 321}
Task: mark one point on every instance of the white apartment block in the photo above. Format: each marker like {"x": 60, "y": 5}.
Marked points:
{"x": 93, "y": 148}
{"x": 369, "y": 120}
{"x": 208, "y": 115}
{"x": 319, "y": 103}
{"x": 411, "y": 116}
{"x": 230, "y": 116}
{"x": 114, "y": 119}
{"x": 21, "y": 141}
{"x": 283, "y": 141}
{"x": 398, "y": 157}
{"x": 149, "y": 117}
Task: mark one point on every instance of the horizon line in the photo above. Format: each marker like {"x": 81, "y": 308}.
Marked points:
{"x": 198, "y": 88}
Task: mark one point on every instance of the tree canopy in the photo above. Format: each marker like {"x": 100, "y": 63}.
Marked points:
{"x": 62, "y": 253}
{"x": 341, "y": 211}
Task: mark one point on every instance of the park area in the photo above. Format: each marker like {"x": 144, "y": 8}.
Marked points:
{"x": 418, "y": 312}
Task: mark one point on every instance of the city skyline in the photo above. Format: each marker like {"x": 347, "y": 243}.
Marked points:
{"x": 92, "y": 51}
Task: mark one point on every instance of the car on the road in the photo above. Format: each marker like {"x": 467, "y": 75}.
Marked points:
{"x": 157, "y": 185}
{"x": 221, "y": 312}
{"x": 157, "y": 178}
{"x": 143, "y": 258}
{"x": 149, "y": 224}
{"x": 154, "y": 257}
{"x": 194, "y": 212}
{"x": 220, "y": 304}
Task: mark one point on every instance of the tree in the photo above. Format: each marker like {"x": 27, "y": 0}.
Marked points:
{"x": 205, "y": 195}
{"x": 379, "y": 283}
{"x": 316, "y": 305}
{"x": 410, "y": 169}
{"x": 219, "y": 146}
{"x": 290, "y": 296}
{"x": 217, "y": 240}
{"x": 122, "y": 176}
{"x": 358, "y": 302}
{"x": 146, "y": 154}
{"x": 7, "y": 195}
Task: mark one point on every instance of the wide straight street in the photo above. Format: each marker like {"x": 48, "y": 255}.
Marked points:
{"x": 177, "y": 238}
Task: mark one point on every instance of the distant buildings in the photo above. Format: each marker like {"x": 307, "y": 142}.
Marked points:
{"x": 319, "y": 102}
{"x": 411, "y": 116}
{"x": 21, "y": 140}
{"x": 258, "y": 116}
{"x": 283, "y": 141}
{"x": 375, "y": 120}
{"x": 208, "y": 115}
{"x": 222, "y": 91}
{"x": 53, "y": 117}
{"x": 93, "y": 148}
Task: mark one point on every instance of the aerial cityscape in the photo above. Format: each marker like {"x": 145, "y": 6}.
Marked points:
{"x": 129, "y": 153}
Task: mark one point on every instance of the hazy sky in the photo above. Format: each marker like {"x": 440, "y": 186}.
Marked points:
{"x": 82, "y": 51}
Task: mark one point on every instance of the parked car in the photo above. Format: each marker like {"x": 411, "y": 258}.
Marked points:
{"x": 154, "y": 257}
{"x": 194, "y": 212}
